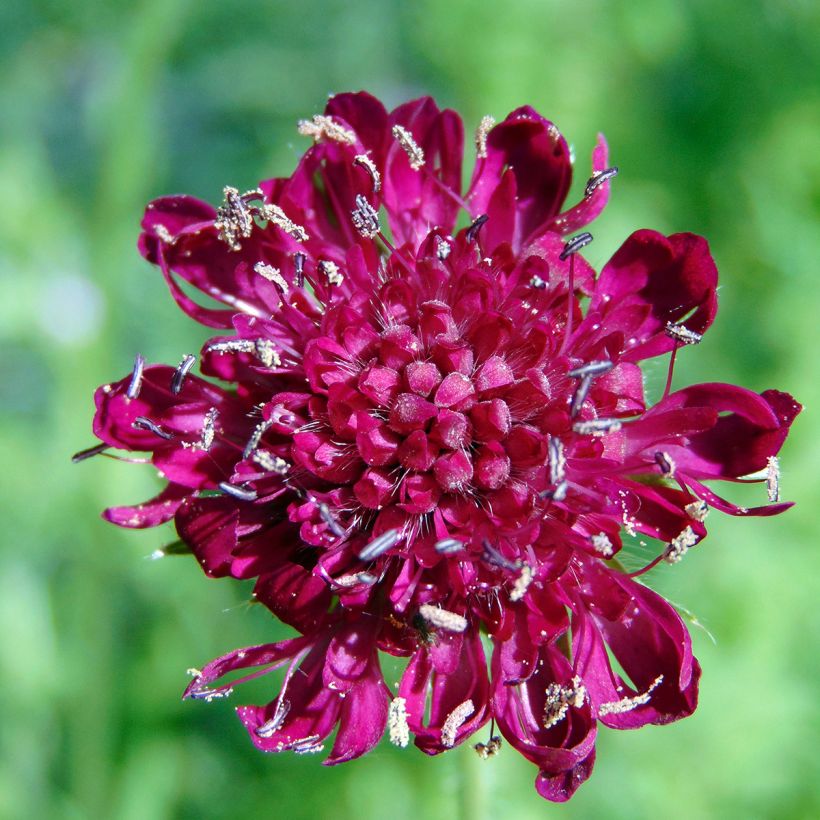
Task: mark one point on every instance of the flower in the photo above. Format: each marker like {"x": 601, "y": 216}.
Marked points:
{"x": 429, "y": 448}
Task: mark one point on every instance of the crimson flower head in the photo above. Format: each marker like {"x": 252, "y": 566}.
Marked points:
{"x": 430, "y": 440}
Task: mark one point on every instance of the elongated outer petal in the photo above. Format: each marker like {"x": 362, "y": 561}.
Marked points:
{"x": 150, "y": 513}
{"x": 532, "y": 150}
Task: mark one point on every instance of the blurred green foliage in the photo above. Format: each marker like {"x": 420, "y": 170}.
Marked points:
{"x": 712, "y": 111}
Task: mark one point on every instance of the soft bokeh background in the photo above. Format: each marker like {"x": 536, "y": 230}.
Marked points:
{"x": 712, "y": 113}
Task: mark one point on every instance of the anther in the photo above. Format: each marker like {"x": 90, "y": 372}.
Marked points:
{"x": 557, "y": 459}
{"x": 591, "y": 369}
{"x": 240, "y": 493}
{"x": 680, "y": 545}
{"x": 256, "y": 437}
{"x": 397, "y": 722}
{"x": 618, "y": 707}
{"x": 493, "y": 556}
{"x": 208, "y": 430}
{"x": 178, "y": 379}
{"x": 379, "y": 545}
{"x": 136, "y": 377}
{"x": 697, "y": 510}
{"x": 299, "y": 270}
{"x": 234, "y": 218}
{"x": 273, "y": 725}
{"x": 575, "y": 244}
{"x": 329, "y": 519}
{"x": 558, "y": 493}
{"x": 773, "y": 478}
{"x": 664, "y": 461}
{"x": 443, "y": 248}
{"x": 142, "y": 423}
{"x": 484, "y": 128}
{"x": 271, "y": 463}
{"x": 598, "y": 179}
{"x": 364, "y": 161}
{"x": 88, "y": 453}
{"x": 331, "y": 272}
{"x": 210, "y": 694}
{"x": 365, "y": 218}
{"x": 490, "y": 749}
{"x": 596, "y": 427}
{"x": 580, "y": 395}
{"x": 537, "y": 282}
{"x": 442, "y": 618}
{"x": 455, "y": 720}
{"x": 448, "y": 546}
{"x": 307, "y": 746}
{"x": 472, "y": 231}
{"x": 323, "y": 126}
{"x": 273, "y": 213}
{"x": 559, "y": 698}
{"x": 682, "y": 334}
{"x": 272, "y": 274}
{"x": 410, "y": 147}
{"x": 522, "y": 583}
{"x": 602, "y": 544}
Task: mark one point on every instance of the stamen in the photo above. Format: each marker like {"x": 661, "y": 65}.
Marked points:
{"x": 575, "y": 244}
{"x": 210, "y": 694}
{"x": 680, "y": 545}
{"x": 299, "y": 270}
{"x": 240, "y": 493}
{"x": 602, "y": 544}
{"x": 181, "y": 372}
{"x": 443, "y": 618}
{"x": 307, "y": 746}
{"x": 591, "y": 369}
{"x": 443, "y": 248}
{"x": 271, "y": 463}
{"x": 234, "y": 218}
{"x": 322, "y": 126}
{"x": 330, "y": 520}
{"x": 272, "y": 275}
{"x": 682, "y": 334}
{"x": 365, "y": 162}
{"x": 208, "y": 430}
{"x": 410, "y": 147}
{"x": 142, "y": 423}
{"x": 537, "y": 282}
{"x": 580, "y": 395}
{"x": 522, "y": 583}
{"x": 559, "y": 493}
{"x": 136, "y": 377}
{"x": 273, "y": 725}
{"x": 256, "y": 437}
{"x": 618, "y": 707}
{"x": 598, "y": 179}
{"x": 455, "y": 720}
{"x": 558, "y": 461}
{"x": 448, "y": 546}
{"x": 596, "y": 427}
{"x": 490, "y": 749}
{"x": 397, "y": 722}
{"x": 559, "y": 698}
{"x": 472, "y": 231}
{"x": 365, "y": 218}
{"x": 484, "y": 128}
{"x": 273, "y": 213}
{"x": 263, "y": 349}
{"x": 773, "y": 478}
{"x": 379, "y": 545}
{"x": 697, "y": 510}
{"x": 331, "y": 272}
{"x": 665, "y": 462}
{"x": 494, "y": 557}
{"x": 88, "y": 453}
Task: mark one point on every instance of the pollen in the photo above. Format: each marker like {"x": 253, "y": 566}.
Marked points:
{"x": 455, "y": 720}
{"x": 522, "y": 583}
{"x": 484, "y": 128}
{"x": 618, "y": 707}
{"x": 331, "y": 272}
{"x": 397, "y": 722}
{"x": 275, "y": 215}
{"x": 410, "y": 147}
{"x": 773, "y": 478}
{"x": 682, "y": 334}
{"x": 559, "y": 698}
{"x": 680, "y": 545}
{"x": 234, "y": 218}
{"x": 271, "y": 463}
{"x": 442, "y": 618}
{"x": 602, "y": 544}
{"x": 323, "y": 127}
{"x": 697, "y": 510}
{"x": 364, "y": 161}
{"x": 272, "y": 275}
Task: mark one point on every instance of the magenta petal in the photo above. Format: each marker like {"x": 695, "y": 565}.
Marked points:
{"x": 560, "y": 787}
{"x": 150, "y": 513}
{"x": 208, "y": 527}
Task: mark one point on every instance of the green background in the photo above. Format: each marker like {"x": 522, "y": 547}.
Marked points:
{"x": 711, "y": 111}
